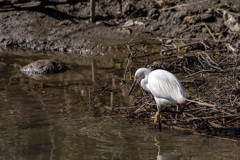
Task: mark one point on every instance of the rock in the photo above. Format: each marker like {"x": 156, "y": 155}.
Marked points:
{"x": 43, "y": 67}
{"x": 168, "y": 41}
{"x": 192, "y": 19}
{"x": 139, "y": 23}
{"x": 124, "y": 30}
{"x": 231, "y": 22}
{"x": 128, "y": 23}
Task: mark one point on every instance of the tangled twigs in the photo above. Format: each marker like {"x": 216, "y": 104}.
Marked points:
{"x": 197, "y": 116}
{"x": 209, "y": 71}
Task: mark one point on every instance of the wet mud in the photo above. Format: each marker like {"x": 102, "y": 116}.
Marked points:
{"x": 65, "y": 26}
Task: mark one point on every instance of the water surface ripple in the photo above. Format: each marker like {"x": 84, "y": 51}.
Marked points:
{"x": 57, "y": 122}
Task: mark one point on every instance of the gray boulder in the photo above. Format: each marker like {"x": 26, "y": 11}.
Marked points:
{"x": 44, "y": 67}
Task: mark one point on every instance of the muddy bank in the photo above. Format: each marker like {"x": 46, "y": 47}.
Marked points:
{"x": 65, "y": 26}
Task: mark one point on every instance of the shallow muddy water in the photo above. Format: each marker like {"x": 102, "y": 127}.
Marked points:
{"x": 66, "y": 120}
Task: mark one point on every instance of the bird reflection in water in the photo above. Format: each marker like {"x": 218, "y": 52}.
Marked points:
{"x": 159, "y": 156}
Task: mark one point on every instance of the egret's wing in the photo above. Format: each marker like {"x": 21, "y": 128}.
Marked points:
{"x": 163, "y": 84}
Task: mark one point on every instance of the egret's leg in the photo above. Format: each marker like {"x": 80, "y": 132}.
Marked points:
{"x": 180, "y": 109}
{"x": 177, "y": 111}
{"x": 159, "y": 119}
{"x": 156, "y": 118}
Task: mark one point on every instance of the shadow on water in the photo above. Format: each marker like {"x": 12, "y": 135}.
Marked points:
{"x": 58, "y": 122}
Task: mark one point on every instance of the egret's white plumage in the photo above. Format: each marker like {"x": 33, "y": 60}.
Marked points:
{"x": 164, "y": 86}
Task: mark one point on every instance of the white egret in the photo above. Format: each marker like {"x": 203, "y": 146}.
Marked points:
{"x": 164, "y": 86}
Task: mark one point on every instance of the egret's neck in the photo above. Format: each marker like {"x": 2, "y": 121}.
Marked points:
{"x": 144, "y": 83}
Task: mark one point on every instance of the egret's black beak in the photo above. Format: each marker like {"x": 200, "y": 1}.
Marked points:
{"x": 132, "y": 87}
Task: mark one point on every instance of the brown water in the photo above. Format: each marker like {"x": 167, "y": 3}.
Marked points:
{"x": 57, "y": 122}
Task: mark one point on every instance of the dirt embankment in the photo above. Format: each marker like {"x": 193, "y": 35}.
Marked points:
{"x": 64, "y": 25}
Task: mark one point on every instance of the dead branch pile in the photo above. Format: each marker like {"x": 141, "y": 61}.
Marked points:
{"x": 209, "y": 71}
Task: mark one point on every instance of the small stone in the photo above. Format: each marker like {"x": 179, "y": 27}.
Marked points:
{"x": 168, "y": 41}
{"x": 124, "y": 30}
{"x": 139, "y": 23}
{"x": 192, "y": 19}
{"x": 128, "y": 23}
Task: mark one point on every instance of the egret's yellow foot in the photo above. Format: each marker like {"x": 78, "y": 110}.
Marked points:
{"x": 156, "y": 117}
